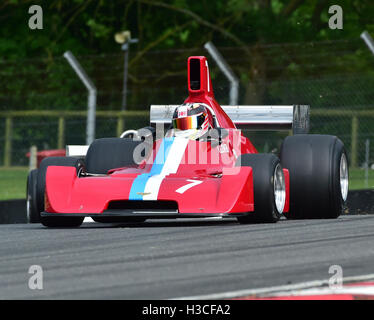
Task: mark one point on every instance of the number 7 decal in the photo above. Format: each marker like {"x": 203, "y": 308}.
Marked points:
{"x": 192, "y": 183}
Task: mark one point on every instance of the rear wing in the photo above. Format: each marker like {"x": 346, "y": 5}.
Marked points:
{"x": 256, "y": 118}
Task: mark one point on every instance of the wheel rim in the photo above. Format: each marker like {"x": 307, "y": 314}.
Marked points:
{"x": 28, "y": 207}
{"x": 344, "y": 176}
{"x": 279, "y": 188}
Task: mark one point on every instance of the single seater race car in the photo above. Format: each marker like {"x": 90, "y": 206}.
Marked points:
{"x": 203, "y": 166}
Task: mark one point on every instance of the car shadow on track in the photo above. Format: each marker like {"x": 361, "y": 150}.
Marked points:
{"x": 163, "y": 223}
{"x": 154, "y": 224}
{"x": 160, "y": 223}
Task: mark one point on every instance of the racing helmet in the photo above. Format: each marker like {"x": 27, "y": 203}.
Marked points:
{"x": 191, "y": 120}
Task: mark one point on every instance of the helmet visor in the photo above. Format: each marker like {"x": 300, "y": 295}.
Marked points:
{"x": 190, "y": 122}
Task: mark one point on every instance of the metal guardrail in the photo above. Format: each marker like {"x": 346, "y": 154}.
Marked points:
{"x": 122, "y": 115}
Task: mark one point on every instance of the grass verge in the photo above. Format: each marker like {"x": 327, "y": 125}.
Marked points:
{"x": 13, "y": 183}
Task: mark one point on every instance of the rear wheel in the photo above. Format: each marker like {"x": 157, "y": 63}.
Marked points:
{"x": 40, "y": 187}
{"x": 268, "y": 187}
{"x": 318, "y": 169}
{"x": 32, "y": 210}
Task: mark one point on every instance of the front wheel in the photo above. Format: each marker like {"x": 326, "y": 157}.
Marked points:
{"x": 40, "y": 190}
{"x": 112, "y": 153}
{"x": 269, "y": 187}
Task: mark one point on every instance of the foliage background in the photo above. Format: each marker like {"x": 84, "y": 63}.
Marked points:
{"x": 282, "y": 51}
{"x": 33, "y": 74}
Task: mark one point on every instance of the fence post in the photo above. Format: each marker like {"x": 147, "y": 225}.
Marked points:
{"x": 8, "y": 142}
{"x": 33, "y": 158}
{"x": 227, "y": 71}
{"x": 354, "y": 142}
{"x": 92, "y": 93}
{"x": 367, "y": 160}
{"x": 61, "y": 133}
{"x": 120, "y": 125}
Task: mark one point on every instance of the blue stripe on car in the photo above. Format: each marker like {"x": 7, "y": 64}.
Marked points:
{"x": 140, "y": 181}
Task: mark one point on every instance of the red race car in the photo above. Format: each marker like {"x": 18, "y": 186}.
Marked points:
{"x": 203, "y": 166}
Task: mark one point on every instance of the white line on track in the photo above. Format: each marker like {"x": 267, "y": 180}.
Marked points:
{"x": 285, "y": 289}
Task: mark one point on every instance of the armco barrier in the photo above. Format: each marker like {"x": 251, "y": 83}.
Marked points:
{"x": 358, "y": 202}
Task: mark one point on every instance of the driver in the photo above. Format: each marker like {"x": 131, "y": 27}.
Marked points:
{"x": 191, "y": 121}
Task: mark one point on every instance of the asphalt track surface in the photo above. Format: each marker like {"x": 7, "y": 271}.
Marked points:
{"x": 171, "y": 259}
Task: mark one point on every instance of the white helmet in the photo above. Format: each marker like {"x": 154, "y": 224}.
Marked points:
{"x": 191, "y": 121}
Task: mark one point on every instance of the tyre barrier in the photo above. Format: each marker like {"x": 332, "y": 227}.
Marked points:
{"x": 358, "y": 202}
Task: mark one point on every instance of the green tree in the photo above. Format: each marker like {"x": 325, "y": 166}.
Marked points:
{"x": 88, "y": 26}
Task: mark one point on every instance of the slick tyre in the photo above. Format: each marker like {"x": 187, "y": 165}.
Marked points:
{"x": 318, "y": 170}
{"x": 268, "y": 187}
{"x": 40, "y": 189}
{"x": 111, "y": 153}
{"x": 32, "y": 210}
